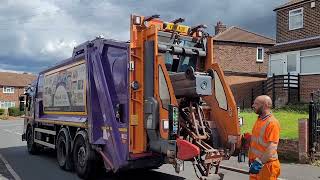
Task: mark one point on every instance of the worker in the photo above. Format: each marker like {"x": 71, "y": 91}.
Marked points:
{"x": 263, "y": 157}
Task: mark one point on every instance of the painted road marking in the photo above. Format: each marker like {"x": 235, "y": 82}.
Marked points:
{"x": 16, "y": 128}
{"x": 10, "y": 169}
{"x": 3, "y": 178}
{"x": 12, "y": 132}
{"x": 10, "y": 125}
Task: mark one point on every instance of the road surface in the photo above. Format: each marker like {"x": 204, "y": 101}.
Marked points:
{"x": 44, "y": 165}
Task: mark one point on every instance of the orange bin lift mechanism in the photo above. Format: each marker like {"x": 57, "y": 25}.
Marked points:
{"x": 137, "y": 133}
{"x": 219, "y": 110}
{"x": 139, "y": 35}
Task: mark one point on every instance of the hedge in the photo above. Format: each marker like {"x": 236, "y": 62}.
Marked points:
{"x": 2, "y": 111}
{"x": 14, "y": 111}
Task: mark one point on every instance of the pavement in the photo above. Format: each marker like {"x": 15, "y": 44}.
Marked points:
{"x": 17, "y": 164}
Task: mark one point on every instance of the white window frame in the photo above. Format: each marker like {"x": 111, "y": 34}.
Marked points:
{"x": 8, "y": 90}
{"x": 297, "y": 53}
{"x": 4, "y": 103}
{"x": 295, "y": 15}
{"x": 257, "y": 59}
{"x": 301, "y": 56}
{"x": 299, "y": 62}
{"x": 284, "y": 58}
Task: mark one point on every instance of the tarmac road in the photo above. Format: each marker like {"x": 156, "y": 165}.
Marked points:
{"x": 44, "y": 165}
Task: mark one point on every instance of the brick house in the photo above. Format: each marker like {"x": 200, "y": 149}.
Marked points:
{"x": 243, "y": 58}
{"x": 297, "y": 49}
{"x": 12, "y": 85}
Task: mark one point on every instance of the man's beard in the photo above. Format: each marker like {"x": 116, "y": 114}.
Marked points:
{"x": 259, "y": 111}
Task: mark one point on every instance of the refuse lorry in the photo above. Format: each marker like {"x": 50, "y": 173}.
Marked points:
{"x": 158, "y": 98}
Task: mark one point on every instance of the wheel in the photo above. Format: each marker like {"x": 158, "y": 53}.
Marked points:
{"x": 84, "y": 157}
{"x": 31, "y": 146}
{"x": 64, "y": 154}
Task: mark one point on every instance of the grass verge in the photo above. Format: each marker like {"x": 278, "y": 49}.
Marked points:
{"x": 288, "y": 122}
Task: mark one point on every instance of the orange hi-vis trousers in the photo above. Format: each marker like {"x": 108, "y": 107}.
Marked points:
{"x": 270, "y": 171}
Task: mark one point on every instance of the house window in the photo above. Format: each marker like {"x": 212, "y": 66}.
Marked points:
{"x": 6, "y": 104}
{"x": 310, "y": 61}
{"x": 291, "y": 63}
{"x": 296, "y": 19}
{"x": 8, "y": 90}
{"x": 260, "y": 52}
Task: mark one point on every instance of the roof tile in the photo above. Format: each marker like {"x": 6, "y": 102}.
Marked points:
{"x": 15, "y": 79}
{"x": 236, "y": 34}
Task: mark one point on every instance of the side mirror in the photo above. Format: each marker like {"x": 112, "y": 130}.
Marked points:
{"x": 21, "y": 103}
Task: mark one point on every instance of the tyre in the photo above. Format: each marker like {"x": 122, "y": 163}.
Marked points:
{"x": 64, "y": 154}
{"x": 31, "y": 145}
{"x": 84, "y": 157}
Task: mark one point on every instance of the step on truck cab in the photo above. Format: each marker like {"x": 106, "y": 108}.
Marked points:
{"x": 157, "y": 99}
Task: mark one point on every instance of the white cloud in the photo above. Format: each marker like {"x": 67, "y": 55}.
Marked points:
{"x": 44, "y": 32}
{"x": 58, "y": 46}
{"x": 12, "y": 71}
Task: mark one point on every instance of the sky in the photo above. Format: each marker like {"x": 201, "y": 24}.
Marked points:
{"x": 36, "y": 34}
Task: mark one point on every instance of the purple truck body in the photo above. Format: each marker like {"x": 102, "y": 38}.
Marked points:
{"x": 106, "y": 88}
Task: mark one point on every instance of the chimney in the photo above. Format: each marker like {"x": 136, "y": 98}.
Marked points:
{"x": 220, "y": 27}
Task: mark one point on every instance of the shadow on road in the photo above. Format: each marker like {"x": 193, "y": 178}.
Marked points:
{"x": 44, "y": 166}
{"x": 154, "y": 175}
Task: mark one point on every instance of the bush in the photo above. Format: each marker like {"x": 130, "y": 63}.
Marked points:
{"x": 299, "y": 107}
{"x": 14, "y": 111}
{"x": 2, "y": 111}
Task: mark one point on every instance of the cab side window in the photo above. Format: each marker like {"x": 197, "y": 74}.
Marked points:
{"x": 163, "y": 90}
{"x": 219, "y": 92}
